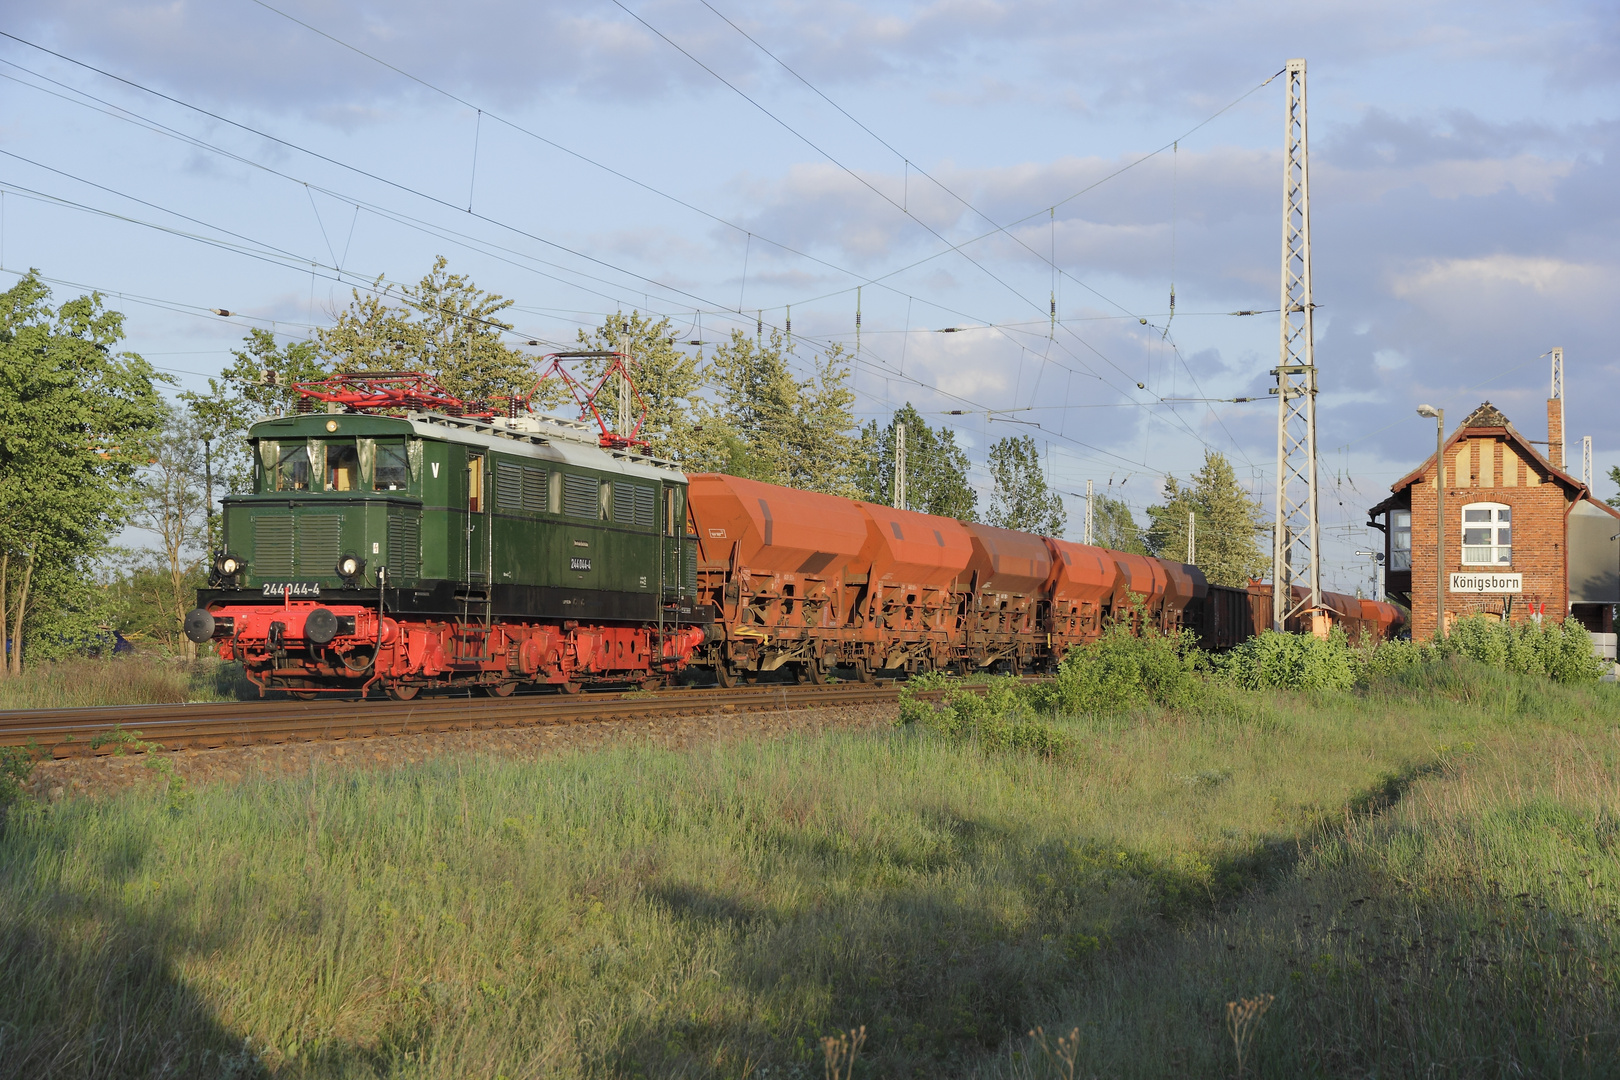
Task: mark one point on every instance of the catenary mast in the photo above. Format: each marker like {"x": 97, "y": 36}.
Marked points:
{"x": 1296, "y": 539}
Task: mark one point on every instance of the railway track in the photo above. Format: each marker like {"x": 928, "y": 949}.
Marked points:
{"x": 63, "y": 733}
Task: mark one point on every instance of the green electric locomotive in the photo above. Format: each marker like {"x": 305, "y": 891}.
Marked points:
{"x": 426, "y": 549}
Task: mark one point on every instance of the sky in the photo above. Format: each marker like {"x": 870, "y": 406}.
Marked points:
{"x": 954, "y": 164}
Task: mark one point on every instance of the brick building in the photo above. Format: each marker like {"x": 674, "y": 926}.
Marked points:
{"x": 1523, "y": 538}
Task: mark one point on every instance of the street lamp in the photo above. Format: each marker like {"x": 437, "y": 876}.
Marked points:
{"x": 1439, "y": 516}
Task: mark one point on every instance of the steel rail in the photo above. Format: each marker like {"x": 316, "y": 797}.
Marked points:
{"x": 113, "y": 729}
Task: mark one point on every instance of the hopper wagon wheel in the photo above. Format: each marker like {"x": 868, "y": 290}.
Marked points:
{"x": 503, "y": 689}
{"x": 863, "y": 670}
{"x": 403, "y": 692}
{"x": 570, "y": 687}
{"x": 724, "y": 676}
{"x": 811, "y": 671}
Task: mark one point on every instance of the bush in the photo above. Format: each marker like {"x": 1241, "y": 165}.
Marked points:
{"x": 1561, "y": 651}
{"x": 1291, "y": 662}
{"x": 1120, "y": 671}
{"x": 995, "y": 715}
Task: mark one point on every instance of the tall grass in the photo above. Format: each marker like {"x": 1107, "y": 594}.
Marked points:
{"x": 142, "y": 679}
{"x": 719, "y": 912}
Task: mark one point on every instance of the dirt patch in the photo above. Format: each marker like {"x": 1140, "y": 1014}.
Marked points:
{"x": 92, "y": 776}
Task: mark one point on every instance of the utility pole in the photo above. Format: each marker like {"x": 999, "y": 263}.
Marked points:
{"x": 1192, "y": 538}
{"x": 899, "y": 496}
{"x": 1586, "y": 461}
{"x": 1088, "y": 513}
{"x": 1296, "y": 536}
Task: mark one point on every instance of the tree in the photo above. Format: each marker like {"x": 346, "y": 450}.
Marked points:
{"x": 1614, "y": 477}
{"x": 667, "y": 379}
{"x": 1228, "y": 524}
{"x": 936, "y": 468}
{"x": 1019, "y": 496}
{"x": 445, "y": 326}
{"x": 1114, "y": 527}
{"x": 173, "y": 506}
{"x": 767, "y": 425}
{"x": 76, "y": 419}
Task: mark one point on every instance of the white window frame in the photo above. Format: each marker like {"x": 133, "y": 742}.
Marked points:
{"x": 1494, "y": 553}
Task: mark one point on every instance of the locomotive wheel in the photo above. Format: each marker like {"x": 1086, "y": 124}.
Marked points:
{"x": 403, "y": 692}
{"x": 305, "y": 695}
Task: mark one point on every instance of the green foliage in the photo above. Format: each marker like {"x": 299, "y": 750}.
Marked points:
{"x": 1614, "y": 478}
{"x": 936, "y": 468}
{"x": 1121, "y": 671}
{"x": 76, "y": 420}
{"x": 993, "y": 715}
{"x": 1114, "y": 527}
{"x": 1019, "y": 496}
{"x": 1228, "y": 522}
{"x": 16, "y": 766}
{"x": 444, "y": 325}
{"x": 768, "y": 425}
{"x": 1273, "y": 661}
{"x": 1561, "y": 651}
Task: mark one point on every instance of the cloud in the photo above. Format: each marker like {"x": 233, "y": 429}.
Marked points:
{"x": 1091, "y": 53}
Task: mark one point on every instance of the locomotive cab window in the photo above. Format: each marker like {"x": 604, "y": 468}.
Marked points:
{"x": 342, "y": 467}
{"x": 292, "y": 467}
{"x": 393, "y": 469}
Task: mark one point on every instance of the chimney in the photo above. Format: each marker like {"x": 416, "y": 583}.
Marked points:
{"x": 1555, "y": 409}
{"x": 1555, "y": 431}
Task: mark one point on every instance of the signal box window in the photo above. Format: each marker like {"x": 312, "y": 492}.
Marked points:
{"x": 393, "y": 470}
{"x": 1487, "y": 534}
{"x": 342, "y": 467}
{"x": 292, "y": 467}
{"x": 1400, "y": 540}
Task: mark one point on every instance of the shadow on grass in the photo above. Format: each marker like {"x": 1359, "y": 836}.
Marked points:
{"x": 87, "y": 990}
{"x": 939, "y": 977}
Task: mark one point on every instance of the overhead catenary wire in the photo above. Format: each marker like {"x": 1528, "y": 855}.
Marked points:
{"x": 501, "y": 224}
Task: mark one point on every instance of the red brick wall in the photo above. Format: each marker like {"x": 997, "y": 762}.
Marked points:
{"x": 1538, "y": 531}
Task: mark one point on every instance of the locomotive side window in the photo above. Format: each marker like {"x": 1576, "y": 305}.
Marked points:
{"x": 342, "y": 467}
{"x": 475, "y": 483}
{"x": 292, "y": 467}
{"x": 393, "y": 469}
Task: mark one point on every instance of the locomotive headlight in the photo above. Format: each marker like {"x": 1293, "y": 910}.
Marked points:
{"x": 227, "y": 565}
{"x": 349, "y": 567}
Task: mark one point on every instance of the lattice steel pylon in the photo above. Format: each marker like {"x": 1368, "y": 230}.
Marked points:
{"x": 1296, "y": 537}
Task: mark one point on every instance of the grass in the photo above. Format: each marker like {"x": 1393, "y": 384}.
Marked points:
{"x": 143, "y": 679}
{"x": 1423, "y": 872}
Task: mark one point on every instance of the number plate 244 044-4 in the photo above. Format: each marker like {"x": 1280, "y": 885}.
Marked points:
{"x": 292, "y": 588}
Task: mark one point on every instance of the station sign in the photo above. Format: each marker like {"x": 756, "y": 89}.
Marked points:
{"x": 1487, "y": 583}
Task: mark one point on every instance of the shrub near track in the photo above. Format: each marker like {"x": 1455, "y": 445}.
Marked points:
{"x": 1361, "y": 855}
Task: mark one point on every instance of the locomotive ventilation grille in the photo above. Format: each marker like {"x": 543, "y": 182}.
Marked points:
{"x": 319, "y": 544}
{"x": 521, "y": 488}
{"x": 273, "y": 546}
{"x": 581, "y": 496}
{"x": 404, "y": 547}
{"x": 635, "y": 504}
